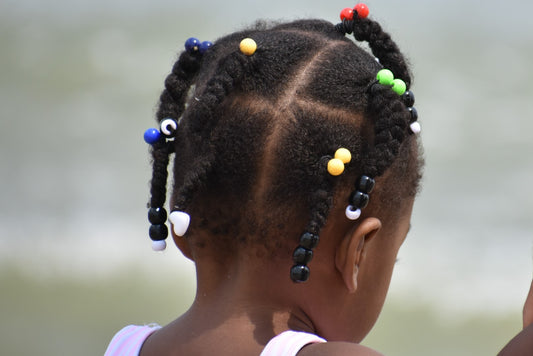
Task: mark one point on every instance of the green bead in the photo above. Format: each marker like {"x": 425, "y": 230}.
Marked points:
{"x": 398, "y": 86}
{"x": 385, "y": 77}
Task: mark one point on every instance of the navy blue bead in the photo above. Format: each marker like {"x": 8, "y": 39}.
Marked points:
{"x": 192, "y": 45}
{"x": 302, "y": 256}
{"x": 366, "y": 184}
{"x": 408, "y": 98}
{"x": 414, "y": 114}
{"x": 309, "y": 240}
{"x": 299, "y": 273}
{"x": 158, "y": 232}
{"x": 204, "y": 46}
{"x": 151, "y": 136}
{"x": 359, "y": 199}
{"x": 157, "y": 215}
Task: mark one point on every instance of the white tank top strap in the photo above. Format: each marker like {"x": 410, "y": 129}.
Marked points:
{"x": 289, "y": 343}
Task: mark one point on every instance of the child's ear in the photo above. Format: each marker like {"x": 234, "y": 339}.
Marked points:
{"x": 182, "y": 243}
{"x": 349, "y": 252}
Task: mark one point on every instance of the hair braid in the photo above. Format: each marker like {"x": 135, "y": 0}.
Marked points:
{"x": 382, "y": 46}
{"x": 203, "y": 120}
{"x": 172, "y": 101}
{"x": 177, "y": 84}
{"x": 390, "y": 129}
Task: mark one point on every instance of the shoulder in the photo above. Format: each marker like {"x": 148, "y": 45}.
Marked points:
{"x": 337, "y": 348}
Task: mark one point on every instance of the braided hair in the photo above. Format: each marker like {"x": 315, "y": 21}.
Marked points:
{"x": 256, "y": 131}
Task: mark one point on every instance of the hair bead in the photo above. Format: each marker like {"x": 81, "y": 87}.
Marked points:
{"x": 151, "y": 136}
{"x": 157, "y": 215}
{"x": 302, "y": 256}
{"x": 309, "y": 240}
{"x": 344, "y": 155}
{"x": 362, "y": 10}
{"x": 398, "y": 86}
{"x": 408, "y": 98}
{"x": 300, "y": 273}
{"x": 192, "y": 45}
{"x": 335, "y": 167}
{"x": 415, "y": 127}
{"x": 385, "y": 77}
{"x": 158, "y": 232}
{"x": 359, "y": 199}
{"x": 346, "y": 13}
{"x": 352, "y": 213}
{"x": 159, "y": 245}
{"x": 169, "y": 127}
{"x": 366, "y": 184}
{"x": 248, "y": 46}
{"x": 204, "y": 46}
{"x": 180, "y": 221}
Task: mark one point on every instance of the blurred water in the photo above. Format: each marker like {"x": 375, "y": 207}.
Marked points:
{"x": 78, "y": 85}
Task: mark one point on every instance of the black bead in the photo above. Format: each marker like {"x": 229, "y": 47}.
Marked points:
{"x": 302, "y": 256}
{"x": 299, "y": 273}
{"x": 157, "y": 215}
{"x": 359, "y": 199}
{"x": 309, "y": 240}
{"x": 414, "y": 114}
{"x": 408, "y": 98}
{"x": 366, "y": 184}
{"x": 158, "y": 232}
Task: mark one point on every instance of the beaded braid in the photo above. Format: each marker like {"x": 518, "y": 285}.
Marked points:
{"x": 172, "y": 104}
{"x": 391, "y": 121}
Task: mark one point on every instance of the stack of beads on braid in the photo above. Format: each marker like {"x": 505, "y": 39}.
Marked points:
{"x": 172, "y": 100}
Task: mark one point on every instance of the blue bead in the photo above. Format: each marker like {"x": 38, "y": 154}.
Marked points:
{"x": 204, "y": 46}
{"x": 192, "y": 45}
{"x": 151, "y": 136}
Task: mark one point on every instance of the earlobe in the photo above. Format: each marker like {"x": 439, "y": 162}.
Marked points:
{"x": 349, "y": 255}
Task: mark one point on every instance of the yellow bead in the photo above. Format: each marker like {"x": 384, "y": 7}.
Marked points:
{"x": 335, "y": 167}
{"x": 248, "y": 46}
{"x": 344, "y": 155}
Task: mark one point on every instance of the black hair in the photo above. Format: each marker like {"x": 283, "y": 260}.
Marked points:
{"x": 255, "y": 132}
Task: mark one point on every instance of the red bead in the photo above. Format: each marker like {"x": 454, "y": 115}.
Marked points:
{"x": 347, "y": 14}
{"x": 362, "y": 10}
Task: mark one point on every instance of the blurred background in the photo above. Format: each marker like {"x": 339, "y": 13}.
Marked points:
{"x": 79, "y": 81}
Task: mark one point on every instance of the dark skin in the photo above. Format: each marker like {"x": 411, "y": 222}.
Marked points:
{"x": 242, "y": 303}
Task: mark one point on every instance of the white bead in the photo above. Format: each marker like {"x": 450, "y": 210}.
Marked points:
{"x": 159, "y": 245}
{"x": 180, "y": 222}
{"x": 415, "y": 127}
{"x": 351, "y": 213}
{"x": 168, "y": 127}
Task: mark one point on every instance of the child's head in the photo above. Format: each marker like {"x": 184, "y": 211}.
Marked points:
{"x": 255, "y": 135}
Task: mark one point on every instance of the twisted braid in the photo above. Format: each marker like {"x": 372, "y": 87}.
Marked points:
{"x": 382, "y": 46}
{"x": 390, "y": 129}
